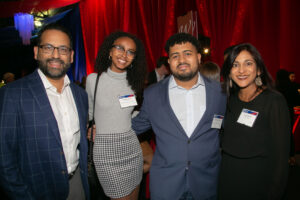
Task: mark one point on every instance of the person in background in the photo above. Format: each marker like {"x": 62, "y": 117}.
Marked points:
{"x": 185, "y": 112}
{"x": 8, "y": 77}
{"x": 289, "y": 91}
{"x": 210, "y": 70}
{"x": 256, "y": 140}
{"x": 160, "y": 72}
{"x": 121, "y": 65}
{"x": 292, "y": 77}
{"x": 43, "y": 146}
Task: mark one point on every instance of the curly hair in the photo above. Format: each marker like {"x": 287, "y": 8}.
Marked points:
{"x": 135, "y": 74}
{"x": 180, "y": 38}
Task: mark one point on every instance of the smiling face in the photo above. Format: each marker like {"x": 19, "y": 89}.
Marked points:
{"x": 184, "y": 61}
{"x": 54, "y": 65}
{"x": 244, "y": 71}
{"x": 122, "y": 54}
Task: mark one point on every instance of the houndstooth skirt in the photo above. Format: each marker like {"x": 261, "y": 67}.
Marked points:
{"x": 118, "y": 161}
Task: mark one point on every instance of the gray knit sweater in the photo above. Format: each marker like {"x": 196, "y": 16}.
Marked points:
{"x": 109, "y": 116}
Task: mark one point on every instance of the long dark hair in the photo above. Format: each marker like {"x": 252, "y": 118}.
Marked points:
{"x": 228, "y": 63}
{"x": 135, "y": 74}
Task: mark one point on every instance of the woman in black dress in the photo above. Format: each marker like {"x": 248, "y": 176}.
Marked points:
{"x": 255, "y": 143}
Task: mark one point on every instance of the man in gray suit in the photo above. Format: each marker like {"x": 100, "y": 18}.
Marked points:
{"x": 185, "y": 112}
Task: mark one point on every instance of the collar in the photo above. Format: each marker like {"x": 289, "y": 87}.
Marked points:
{"x": 173, "y": 84}
{"x": 48, "y": 85}
{"x": 116, "y": 75}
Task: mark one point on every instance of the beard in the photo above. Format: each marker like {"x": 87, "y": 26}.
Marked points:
{"x": 54, "y": 73}
{"x": 185, "y": 76}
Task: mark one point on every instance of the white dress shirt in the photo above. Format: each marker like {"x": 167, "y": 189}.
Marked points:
{"x": 188, "y": 105}
{"x": 65, "y": 112}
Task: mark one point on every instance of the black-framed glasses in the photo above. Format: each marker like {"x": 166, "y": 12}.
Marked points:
{"x": 48, "y": 49}
{"x": 129, "y": 53}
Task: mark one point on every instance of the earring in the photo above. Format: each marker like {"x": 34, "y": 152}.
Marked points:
{"x": 131, "y": 66}
{"x": 230, "y": 83}
{"x": 258, "y": 81}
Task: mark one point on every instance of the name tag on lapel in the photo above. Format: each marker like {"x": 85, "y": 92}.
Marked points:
{"x": 217, "y": 121}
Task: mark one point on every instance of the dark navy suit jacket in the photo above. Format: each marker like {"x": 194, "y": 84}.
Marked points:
{"x": 32, "y": 162}
{"x": 178, "y": 158}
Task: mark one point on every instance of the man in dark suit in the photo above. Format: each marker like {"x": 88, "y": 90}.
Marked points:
{"x": 43, "y": 147}
{"x": 185, "y": 112}
{"x": 160, "y": 72}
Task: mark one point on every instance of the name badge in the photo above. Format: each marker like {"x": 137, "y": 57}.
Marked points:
{"x": 127, "y": 100}
{"x": 247, "y": 117}
{"x": 217, "y": 121}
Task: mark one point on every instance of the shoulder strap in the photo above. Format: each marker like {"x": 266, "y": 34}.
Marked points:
{"x": 95, "y": 92}
{"x": 91, "y": 143}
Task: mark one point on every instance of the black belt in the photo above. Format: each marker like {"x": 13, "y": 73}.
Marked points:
{"x": 72, "y": 173}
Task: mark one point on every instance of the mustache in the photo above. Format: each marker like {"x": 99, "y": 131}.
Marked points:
{"x": 55, "y": 60}
{"x": 182, "y": 64}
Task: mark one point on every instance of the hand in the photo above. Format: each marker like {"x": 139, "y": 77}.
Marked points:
{"x": 147, "y": 155}
{"x": 89, "y": 132}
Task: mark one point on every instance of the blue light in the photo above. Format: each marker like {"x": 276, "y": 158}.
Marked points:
{"x": 24, "y": 23}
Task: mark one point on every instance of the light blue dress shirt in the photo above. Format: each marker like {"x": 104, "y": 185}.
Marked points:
{"x": 188, "y": 105}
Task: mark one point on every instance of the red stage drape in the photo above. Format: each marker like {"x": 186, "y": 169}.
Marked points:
{"x": 270, "y": 25}
{"x": 222, "y": 22}
{"x": 152, "y": 21}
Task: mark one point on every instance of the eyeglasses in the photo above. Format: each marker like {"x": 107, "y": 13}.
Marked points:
{"x": 48, "y": 49}
{"x": 129, "y": 53}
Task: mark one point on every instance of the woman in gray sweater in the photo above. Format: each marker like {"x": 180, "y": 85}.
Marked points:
{"x": 121, "y": 64}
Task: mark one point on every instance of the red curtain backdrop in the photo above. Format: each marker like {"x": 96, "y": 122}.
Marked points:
{"x": 152, "y": 21}
{"x": 222, "y": 22}
{"x": 270, "y": 25}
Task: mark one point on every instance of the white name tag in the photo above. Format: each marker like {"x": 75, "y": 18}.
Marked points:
{"x": 247, "y": 117}
{"x": 217, "y": 121}
{"x": 127, "y": 100}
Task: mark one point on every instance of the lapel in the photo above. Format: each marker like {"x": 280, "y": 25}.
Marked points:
{"x": 78, "y": 103}
{"x": 38, "y": 90}
{"x": 164, "y": 89}
{"x": 209, "y": 106}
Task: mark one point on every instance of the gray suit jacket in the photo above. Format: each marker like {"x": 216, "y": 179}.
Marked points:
{"x": 178, "y": 158}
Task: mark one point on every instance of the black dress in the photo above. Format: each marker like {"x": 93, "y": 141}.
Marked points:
{"x": 255, "y": 159}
